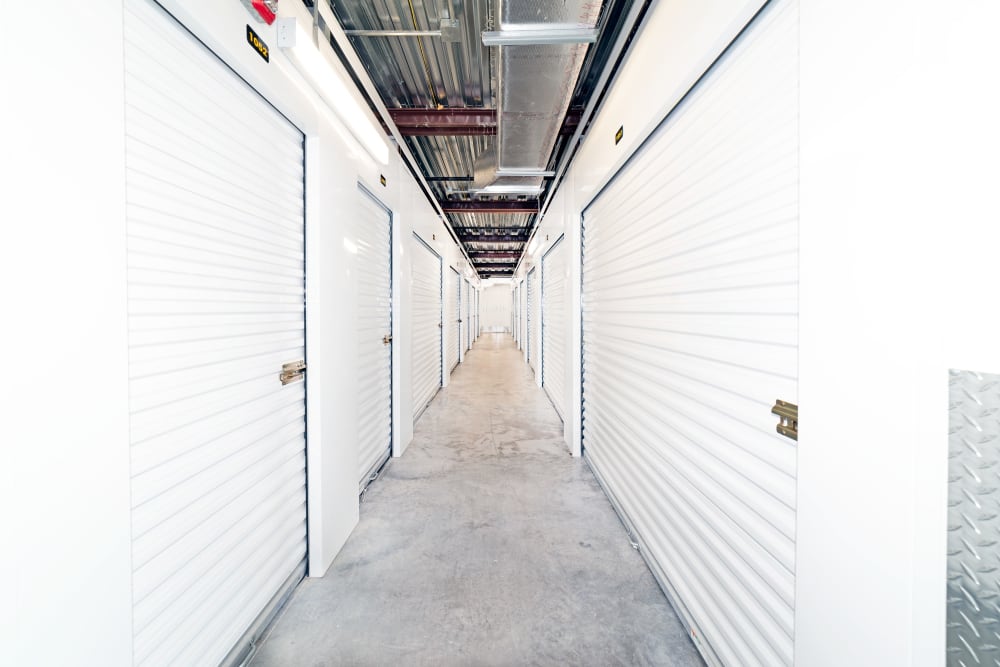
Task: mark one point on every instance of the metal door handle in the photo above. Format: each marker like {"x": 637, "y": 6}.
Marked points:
{"x": 387, "y": 339}
{"x": 293, "y": 371}
{"x": 788, "y": 413}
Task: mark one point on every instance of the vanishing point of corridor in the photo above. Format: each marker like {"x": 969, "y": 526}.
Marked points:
{"x": 484, "y": 544}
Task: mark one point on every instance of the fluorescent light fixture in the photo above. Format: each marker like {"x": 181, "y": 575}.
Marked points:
{"x": 393, "y": 33}
{"x": 523, "y": 171}
{"x": 507, "y": 190}
{"x": 338, "y": 96}
{"x": 540, "y": 33}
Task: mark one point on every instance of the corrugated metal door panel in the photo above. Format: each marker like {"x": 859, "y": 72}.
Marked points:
{"x": 453, "y": 320}
{"x": 524, "y": 315}
{"x": 554, "y": 323}
{"x": 517, "y": 315}
{"x": 373, "y": 237}
{"x": 427, "y": 331}
{"x": 530, "y": 331}
{"x": 690, "y": 308}
{"x": 216, "y": 306}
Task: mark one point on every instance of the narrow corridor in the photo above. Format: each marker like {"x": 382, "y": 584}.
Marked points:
{"x": 485, "y": 544}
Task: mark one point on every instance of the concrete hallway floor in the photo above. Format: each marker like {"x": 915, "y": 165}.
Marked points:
{"x": 486, "y": 543}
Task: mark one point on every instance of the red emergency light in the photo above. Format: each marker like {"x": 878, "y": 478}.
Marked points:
{"x": 264, "y": 10}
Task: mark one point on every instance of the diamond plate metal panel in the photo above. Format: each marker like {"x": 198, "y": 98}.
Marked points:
{"x": 973, "y": 519}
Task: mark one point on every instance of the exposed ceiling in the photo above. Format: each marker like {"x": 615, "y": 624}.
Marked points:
{"x": 488, "y": 125}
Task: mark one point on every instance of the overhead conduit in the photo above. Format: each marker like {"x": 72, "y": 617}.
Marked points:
{"x": 542, "y": 50}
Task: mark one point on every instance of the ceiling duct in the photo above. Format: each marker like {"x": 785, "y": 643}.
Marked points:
{"x": 489, "y": 179}
{"x": 542, "y": 49}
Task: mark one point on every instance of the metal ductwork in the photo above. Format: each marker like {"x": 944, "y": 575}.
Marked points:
{"x": 542, "y": 49}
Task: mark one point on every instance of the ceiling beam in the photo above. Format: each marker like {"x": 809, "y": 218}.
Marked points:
{"x": 460, "y": 122}
{"x": 493, "y": 254}
{"x": 485, "y": 238}
{"x": 489, "y": 206}
{"x": 444, "y": 122}
{"x": 499, "y": 232}
{"x": 571, "y": 122}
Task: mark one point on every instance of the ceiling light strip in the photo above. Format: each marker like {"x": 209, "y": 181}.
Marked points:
{"x": 549, "y": 34}
{"x": 524, "y": 171}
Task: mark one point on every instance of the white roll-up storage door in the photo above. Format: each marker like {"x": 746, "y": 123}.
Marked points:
{"x": 452, "y": 320}
{"x": 554, "y": 324}
{"x": 690, "y": 282}
{"x": 524, "y": 315}
{"x": 426, "y": 366}
{"x": 532, "y": 319}
{"x": 517, "y": 315}
{"x": 216, "y": 306}
{"x": 467, "y": 314}
{"x": 373, "y": 238}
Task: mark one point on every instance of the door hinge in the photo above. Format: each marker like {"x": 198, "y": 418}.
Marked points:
{"x": 789, "y": 415}
{"x": 293, "y": 371}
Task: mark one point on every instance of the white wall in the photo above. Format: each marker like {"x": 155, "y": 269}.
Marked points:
{"x": 898, "y": 272}
{"x": 65, "y": 488}
{"x": 677, "y": 42}
{"x": 496, "y": 308}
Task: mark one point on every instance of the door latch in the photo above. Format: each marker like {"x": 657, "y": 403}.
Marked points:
{"x": 387, "y": 339}
{"x": 788, "y": 413}
{"x": 293, "y": 371}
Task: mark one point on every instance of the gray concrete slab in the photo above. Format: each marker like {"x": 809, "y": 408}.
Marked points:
{"x": 485, "y": 544}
